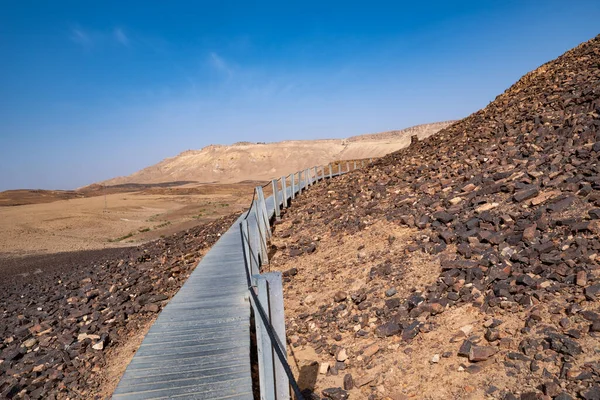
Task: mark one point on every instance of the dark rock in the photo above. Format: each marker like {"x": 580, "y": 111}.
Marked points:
{"x": 388, "y": 329}
{"x": 411, "y": 331}
{"x": 335, "y": 393}
{"x": 491, "y": 335}
{"x": 592, "y": 393}
{"x": 552, "y": 389}
{"x": 563, "y": 396}
{"x": 290, "y": 272}
{"x": 526, "y": 194}
{"x": 530, "y": 396}
{"x": 481, "y": 353}
{"x": 465, "y": 348}
{"x": 348, "y": 382}
{"x": 593, "y": 292}
{"x": 594, "y": 213}
{"x": 443, "y": 216}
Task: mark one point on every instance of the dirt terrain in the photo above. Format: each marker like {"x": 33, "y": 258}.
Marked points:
{"x": 463, "y": 267}
{"x": 263, "y": 161}
{"x": 122, "y": 218}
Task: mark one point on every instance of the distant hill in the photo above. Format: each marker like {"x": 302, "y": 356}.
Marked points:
{"x": 260, "y": 161}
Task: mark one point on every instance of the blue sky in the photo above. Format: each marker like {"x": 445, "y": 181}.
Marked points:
{"x": 93, "y": 90}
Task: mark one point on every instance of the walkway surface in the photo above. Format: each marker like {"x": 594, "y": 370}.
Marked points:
{"x": 199, "y": 346}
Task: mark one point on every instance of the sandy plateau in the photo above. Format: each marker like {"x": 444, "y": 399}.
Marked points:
{"x": 130, "y": 218}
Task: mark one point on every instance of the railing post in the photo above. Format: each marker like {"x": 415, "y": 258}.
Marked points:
{"x": 276, "y": 200}
{"x": 354, "y": 164}
{"x": 264, "y": 256}
{"x": 330, "y": 171}
{"x": 276, "y": 313}
{"x": 339, "y": 168}
{"x": 284, "y": 191}
{"x": 300, "y": 182}
{"x": 293, "y": 185}
{"x": 347, "y": 167}
{"x": 308, "y": 179}
{"x": 254, "y": 269}
{"x": 263, "y": 206}
{"x": 316, "y": 175}
{"x": 266, "y": 371}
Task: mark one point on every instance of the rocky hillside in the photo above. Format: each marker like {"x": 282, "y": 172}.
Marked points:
{"x": 465, "y": 266}
{"x": 260, "y": 161}
{"x": 70, "y": 322}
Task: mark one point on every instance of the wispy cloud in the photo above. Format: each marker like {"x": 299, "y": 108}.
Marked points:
{"x": 219, "y": 64}
{"x": 121, "y": 37}
{"x": 81, "y": 37}
{"x": 88, "y": 39}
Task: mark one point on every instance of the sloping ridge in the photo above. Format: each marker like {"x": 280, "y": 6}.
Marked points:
{"x": 259, "y": 161}
{"x": 501, "y": 209}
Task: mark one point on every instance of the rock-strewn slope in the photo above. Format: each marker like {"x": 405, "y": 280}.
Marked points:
{"x": 66, "y": 321}
{"x": 500, "y": 214}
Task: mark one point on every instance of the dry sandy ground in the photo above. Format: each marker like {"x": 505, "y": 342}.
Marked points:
{"x": 128, "y": 219}
{"x": 428, "y": 367}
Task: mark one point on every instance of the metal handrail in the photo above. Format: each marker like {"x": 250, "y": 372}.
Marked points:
{"x": 275, "y": 379}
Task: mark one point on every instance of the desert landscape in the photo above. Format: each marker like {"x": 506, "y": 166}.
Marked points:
{"x": 65, "y": 255}
{"x": 171, "y": 196}
{"x": 460, "y": 261}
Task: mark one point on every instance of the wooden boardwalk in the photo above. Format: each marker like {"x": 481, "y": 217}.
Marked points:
{"x": 199, "y": 346}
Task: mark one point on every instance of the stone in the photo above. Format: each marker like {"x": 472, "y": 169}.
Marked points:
{"x": 581, "y": 279}
{"x": 593, "y": 292}
{"x": 481, "y": 353}
{"x": 340, "y": 296}
{"x": 411, "y": 331}
{"x": 443, "y": 216}
{"x": 29, "y": 343}
{"x": 466, "y": 329}
{"x": 336, "y": 393}
{"x": 552, "y": 389}
{"x": 491, "y": 335}
{"x": 370, "y": 350}
{"x": 363, "y": 380}
{"x": 592, "y": 393}
{"x": 525, "y": 194}
{"x": 388, "y": 329}
{"x": 529, "y": 233}
{"x": 154, "y": 308}
{"x": 342, "y": 355}
{"x": 390, "y": 292}
{"x": 82, "y": 336}
{"x": 290, "y": 272}
{"x": 348, "y": 382}
{"x": 323, "y": 368}
{"x": 98, "y": 346}
{"x": 530, "y": 396}
{"x": 465, "y": 348}
{"x": 435, "y": 359}
{"x": 563, "y": 396}
{"x": 594, "y": 213}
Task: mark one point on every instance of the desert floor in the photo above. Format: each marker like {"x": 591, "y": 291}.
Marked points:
{"x": 117, "y": 220}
